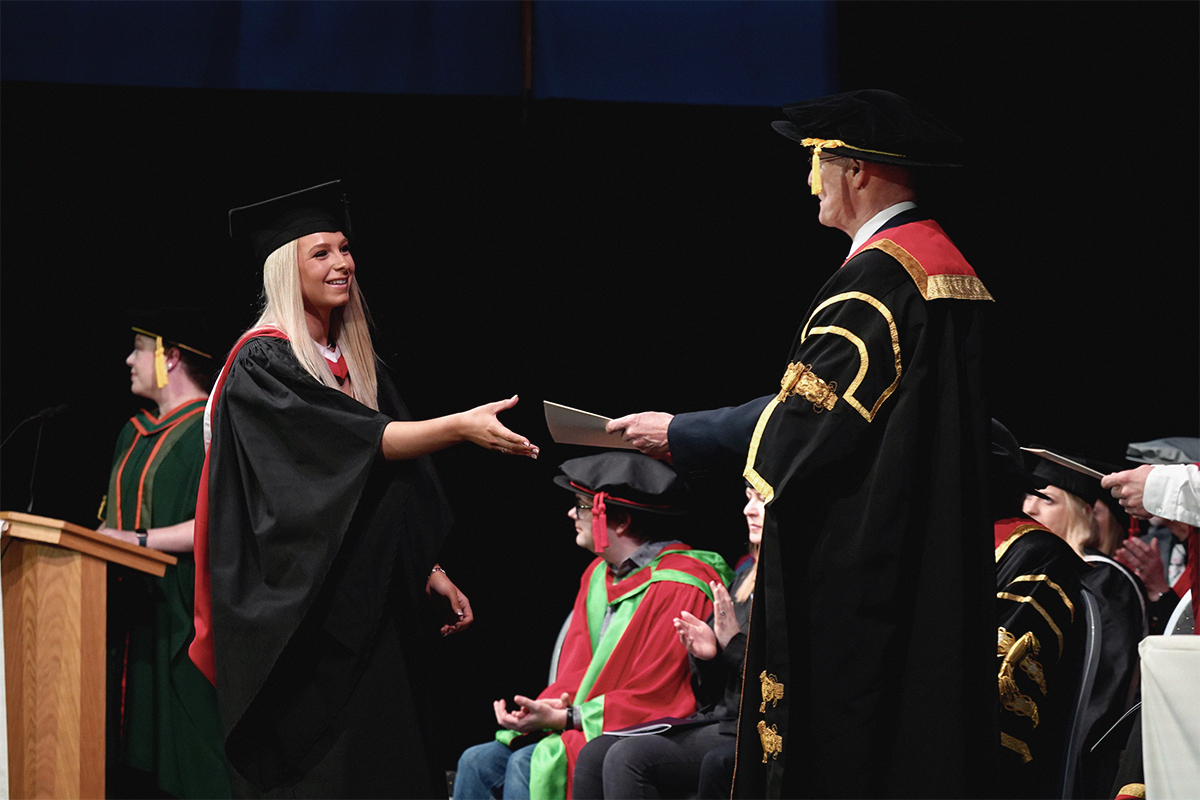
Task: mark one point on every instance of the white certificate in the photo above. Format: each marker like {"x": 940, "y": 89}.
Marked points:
{"x": 571, "y": 426}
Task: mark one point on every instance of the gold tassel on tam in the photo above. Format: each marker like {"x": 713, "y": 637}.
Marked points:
{"x": 160, "y": 362}
{"x": 817, "y": 145}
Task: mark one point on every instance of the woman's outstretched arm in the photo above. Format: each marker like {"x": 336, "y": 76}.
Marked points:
{"x": 403, "y": 440}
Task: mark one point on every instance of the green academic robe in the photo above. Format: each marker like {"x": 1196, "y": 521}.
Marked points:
{"x": 162, "y": 711}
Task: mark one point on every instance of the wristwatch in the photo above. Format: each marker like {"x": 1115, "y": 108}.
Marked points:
{"x": 141, "y": 534}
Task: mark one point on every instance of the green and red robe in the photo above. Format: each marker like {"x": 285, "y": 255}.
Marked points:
{"x": 163, "y": 713}
{"x": 637, "y": 670}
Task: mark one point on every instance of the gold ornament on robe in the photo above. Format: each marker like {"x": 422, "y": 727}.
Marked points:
{"x": 799, "y": 379}
{"x": 772, "y": 742}
{"x": 1010, "y": 696}
{"x": 772, "y": 691}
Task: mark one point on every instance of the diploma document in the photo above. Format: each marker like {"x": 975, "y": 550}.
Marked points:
{"x": 1064, "y": 461}
{"x": 571, "y": 426}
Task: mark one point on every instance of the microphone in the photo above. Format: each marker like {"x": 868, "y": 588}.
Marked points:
{"x": 44, "y": 414}
{"x": 40, "y": 417}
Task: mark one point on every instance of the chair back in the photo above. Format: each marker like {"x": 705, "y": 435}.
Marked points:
{"x": 1089, "y": 663}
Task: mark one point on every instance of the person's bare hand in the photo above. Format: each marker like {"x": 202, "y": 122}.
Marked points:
{"x": 696, "y": 636}
{"x": 129, "y": 537}
{"x": 647, "y": 431}
{"x": 1146, "y": 562}
{"x": 725, "y": 624}
{"x": 482, "y": 426}
{"x": 1130, "y": 487}
{"x": 533, "y": 715}
{"x": 440, "y": 586}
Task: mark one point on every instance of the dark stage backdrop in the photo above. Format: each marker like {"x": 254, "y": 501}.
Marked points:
{"x": 616, "y": 257}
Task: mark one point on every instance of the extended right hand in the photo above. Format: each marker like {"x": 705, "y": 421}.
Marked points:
{"x": 482, "y": 426}
{"x": 646, "y": 431}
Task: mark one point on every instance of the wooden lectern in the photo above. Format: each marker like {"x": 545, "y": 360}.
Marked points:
{"x": 55, "y": 576}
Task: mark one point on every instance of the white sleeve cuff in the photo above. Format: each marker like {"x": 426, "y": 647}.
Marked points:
{"x": 1173, "y": 492}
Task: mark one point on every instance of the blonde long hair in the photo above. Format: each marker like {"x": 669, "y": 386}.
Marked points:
{"x": 283, "y": 308}
{"x": 1079, "y": 529}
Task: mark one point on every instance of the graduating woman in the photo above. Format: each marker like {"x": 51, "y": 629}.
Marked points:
{"x": 318, "y": 525}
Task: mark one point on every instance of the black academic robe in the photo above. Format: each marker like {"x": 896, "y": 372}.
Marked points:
{"x": 870, "y": 648}
{"x": 1039, "y": 653}
{"x": 317, "y": 549}
{"x": 1123, "y": 617}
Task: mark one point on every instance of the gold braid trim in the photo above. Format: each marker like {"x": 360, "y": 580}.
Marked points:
{"x": 1017, "y": 746}
{"x": 933, "y": 287}
{"x": 1004, "y": 641}
{"x": 1016, "y": 598}
{"x": 1046, "y": 580}
{"x": 1133, "y": 790}
{"x": 1033, "y": 669}
{"x": 1017, "y": 533}
{"x": 1010, "y": 696}
{"x": 800, "y": 379}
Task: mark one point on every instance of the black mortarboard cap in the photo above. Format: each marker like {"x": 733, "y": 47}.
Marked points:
{"x": 1006, "y": 465}
{"x": 265, "y": 227}
{"x": 1085, "y": 487}
{"x": 188, "y": 327}
{"x": 872, "y": 125}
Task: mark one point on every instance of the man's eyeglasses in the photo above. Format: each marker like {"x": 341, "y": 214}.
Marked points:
{"x": 581, "y": 506}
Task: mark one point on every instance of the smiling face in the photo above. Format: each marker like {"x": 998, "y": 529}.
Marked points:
{"x": 326, "y": 271}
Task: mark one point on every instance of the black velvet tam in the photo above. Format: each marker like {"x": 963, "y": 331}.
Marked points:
{"x": 629, "y": 479}
{"x": 265, "y": 227}
{"x": 872, "y": 125}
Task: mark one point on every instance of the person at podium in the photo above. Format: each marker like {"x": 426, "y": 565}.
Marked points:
{"x": 163, "y": 732}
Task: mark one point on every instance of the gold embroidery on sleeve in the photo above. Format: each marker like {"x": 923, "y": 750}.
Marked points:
{"x": 1011, "y": 696}
{"x": 772, "y": 691}
{"x": 1034, "y": 670}
{"x": 800, "y": 379}
{"x": 1046, "y": 580}
{"x": 863, "y": 358}
{"x": 1017, "y": 746}
{"x": 1021, "y": 599}
{"x": 757, "y": 481}
{"x": 1004, "y": 641}
{"x": 772, "y": 742}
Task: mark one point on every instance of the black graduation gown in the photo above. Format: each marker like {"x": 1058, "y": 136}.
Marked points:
{"x": 870, "y": 646}
{"x": 317, "y": 551}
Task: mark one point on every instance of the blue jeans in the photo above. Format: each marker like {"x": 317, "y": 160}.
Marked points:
{"x": 493, "y": 772}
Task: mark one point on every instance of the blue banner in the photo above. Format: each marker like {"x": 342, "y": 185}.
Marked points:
{"x": 725, "y": 52}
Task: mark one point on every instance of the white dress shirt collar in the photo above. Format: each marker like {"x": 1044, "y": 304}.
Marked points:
{"x": 872, "y": 226}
